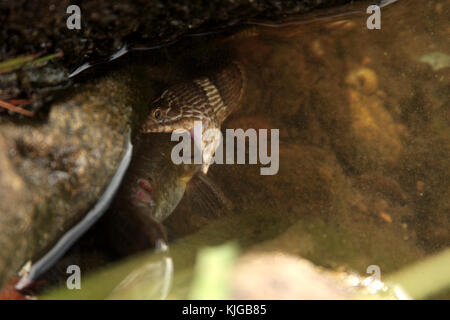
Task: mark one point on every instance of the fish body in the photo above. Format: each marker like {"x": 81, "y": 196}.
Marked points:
{"x": 155, "y": 185}
{"x": 151, "y": 190}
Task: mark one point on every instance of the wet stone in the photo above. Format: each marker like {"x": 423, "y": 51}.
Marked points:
{"x": 54, "y": 170}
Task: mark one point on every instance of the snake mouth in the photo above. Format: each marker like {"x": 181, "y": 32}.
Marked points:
{"x": 157, "y": 128}
{"x": 167, "y": 126}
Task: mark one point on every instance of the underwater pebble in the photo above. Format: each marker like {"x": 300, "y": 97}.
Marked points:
{"x": 436, "y": 60}
{"x": 386, "y": 217}
{"x": 364, "y": 80}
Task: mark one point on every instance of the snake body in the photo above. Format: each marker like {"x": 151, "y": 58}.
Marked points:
{"x": 209, "y": 99}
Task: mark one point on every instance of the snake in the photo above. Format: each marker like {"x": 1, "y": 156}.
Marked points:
{"x": 209, "y": 99}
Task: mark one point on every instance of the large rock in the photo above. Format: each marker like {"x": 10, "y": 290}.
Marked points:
{"x": 53, "y": 171}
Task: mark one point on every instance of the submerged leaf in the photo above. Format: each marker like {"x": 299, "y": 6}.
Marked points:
{"x": 213, "y": 271}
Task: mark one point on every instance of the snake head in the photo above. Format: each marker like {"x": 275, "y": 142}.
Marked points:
{"x": 177, "y": 108}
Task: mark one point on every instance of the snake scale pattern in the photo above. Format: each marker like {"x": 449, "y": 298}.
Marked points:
{"x": 209, "y": 99}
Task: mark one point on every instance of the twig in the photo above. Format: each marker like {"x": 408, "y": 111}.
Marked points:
{"x": 16, "y": 109}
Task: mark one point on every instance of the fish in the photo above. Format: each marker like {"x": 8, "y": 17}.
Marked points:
{"x": 154, "y": 184}
{"x": 151, "y": 190}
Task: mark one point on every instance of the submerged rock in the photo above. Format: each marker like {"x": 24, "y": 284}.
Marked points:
{"x": 283, "y": 276}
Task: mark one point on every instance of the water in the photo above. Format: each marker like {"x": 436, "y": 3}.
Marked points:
{"x": 364, "y": 132}
{"x": 364, "y": 141}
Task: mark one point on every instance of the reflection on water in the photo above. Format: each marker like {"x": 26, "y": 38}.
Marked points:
{"x": 364, "y": 144}
{"x": 150, "y": 281}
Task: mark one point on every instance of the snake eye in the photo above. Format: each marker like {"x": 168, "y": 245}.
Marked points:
{"x": 157, "y": 114}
